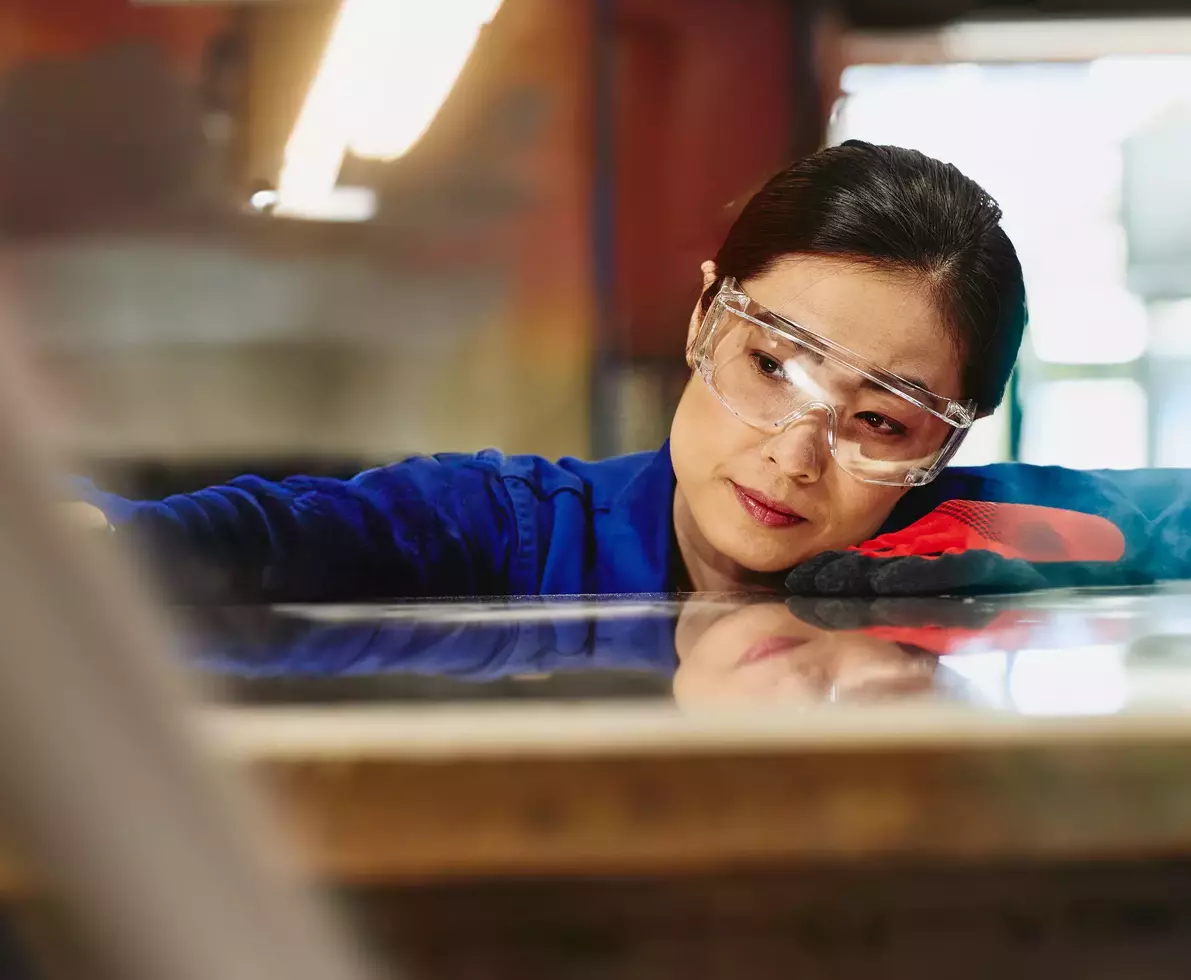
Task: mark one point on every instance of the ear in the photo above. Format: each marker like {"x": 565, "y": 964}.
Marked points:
{"x": 709, "y": 274}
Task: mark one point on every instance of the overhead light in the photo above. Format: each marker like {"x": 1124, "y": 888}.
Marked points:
{"x": 388, "y": 67}
{"x": 417, "y": 53}
{"x": 263, "y": 200}
{"x": 339, "y": 204}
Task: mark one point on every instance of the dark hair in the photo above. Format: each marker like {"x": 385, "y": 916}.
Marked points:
{"x": 902, "y": 209}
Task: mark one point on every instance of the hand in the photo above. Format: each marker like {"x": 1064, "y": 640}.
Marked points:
{"x": 84, "y": 516}
{"x": 968, "y": 547}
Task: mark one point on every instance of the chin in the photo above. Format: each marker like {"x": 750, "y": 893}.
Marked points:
{"x": 764, "y": 557}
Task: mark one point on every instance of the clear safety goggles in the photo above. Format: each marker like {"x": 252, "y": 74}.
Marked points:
{"x": 771, "y": 373}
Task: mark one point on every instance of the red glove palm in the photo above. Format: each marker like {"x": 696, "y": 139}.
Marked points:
{"x": 1026, "y": 531}
{"x": 966, "y": 547}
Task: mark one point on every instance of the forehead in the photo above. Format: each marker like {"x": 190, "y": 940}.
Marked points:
{"x": 888, "y": 318}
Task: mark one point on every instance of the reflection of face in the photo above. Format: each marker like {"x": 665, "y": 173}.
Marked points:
{"x": 762, "y": 653}
{"x": 887, "y": 318}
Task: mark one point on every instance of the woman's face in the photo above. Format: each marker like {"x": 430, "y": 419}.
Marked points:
{"x": 888, "y": 318}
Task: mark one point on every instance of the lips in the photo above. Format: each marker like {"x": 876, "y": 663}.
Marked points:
{"x": 771, "y": 646}
{"x": 765, "y": 510}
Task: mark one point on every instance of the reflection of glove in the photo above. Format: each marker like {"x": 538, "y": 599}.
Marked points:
{"x": 934, "y": 625}
{"x": 966, "y": 547}
{"x": 851, "y": 613}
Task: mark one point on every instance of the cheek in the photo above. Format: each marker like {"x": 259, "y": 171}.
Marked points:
{"x": 859, "y": 509}
{"x": 704, "y": 434}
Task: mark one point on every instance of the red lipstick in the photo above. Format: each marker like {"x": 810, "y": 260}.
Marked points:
{"x": 765, "y": 510}
{"x": 771, "y": 646}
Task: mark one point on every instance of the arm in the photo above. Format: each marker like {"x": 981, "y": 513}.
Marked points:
{"x": 423, "y": 527}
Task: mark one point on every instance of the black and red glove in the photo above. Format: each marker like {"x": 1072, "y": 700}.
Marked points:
{"x": 966, "y": 547}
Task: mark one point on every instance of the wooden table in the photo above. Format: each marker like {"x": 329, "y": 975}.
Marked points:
{"x": 633, "y": 841}
{"x": 377, "y": 794}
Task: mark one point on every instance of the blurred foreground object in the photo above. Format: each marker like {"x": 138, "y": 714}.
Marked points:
{"x": 156, "y": 865}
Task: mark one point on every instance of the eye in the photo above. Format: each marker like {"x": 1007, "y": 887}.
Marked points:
{"x": 881, "y": 424}
{"x": 767, "y": 365}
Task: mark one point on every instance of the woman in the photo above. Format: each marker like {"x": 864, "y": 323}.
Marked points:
{"x": 864, "y": 309}
{"x": 901, "y": 261}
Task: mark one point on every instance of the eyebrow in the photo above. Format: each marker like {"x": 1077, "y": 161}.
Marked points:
{"x": 916, "y": 382}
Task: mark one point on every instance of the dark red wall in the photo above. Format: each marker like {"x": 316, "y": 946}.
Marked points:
{"x": 703, "y": 108}
{"x": 704, "y": 113}
{"x": 34, "y": 29}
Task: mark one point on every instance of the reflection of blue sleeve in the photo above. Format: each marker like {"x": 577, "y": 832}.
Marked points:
{"x": 1152, "y": 507}
{"x": 470, "y": 652}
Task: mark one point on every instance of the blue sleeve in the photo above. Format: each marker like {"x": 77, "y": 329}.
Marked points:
{"x": 1165, "y": 498}
{"x": 431, "y": 527}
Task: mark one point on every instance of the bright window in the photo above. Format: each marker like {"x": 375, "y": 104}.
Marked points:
{"x": 1050, "y": 142}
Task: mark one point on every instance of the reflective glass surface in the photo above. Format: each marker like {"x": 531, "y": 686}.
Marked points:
{"x": 1063, "y": 653}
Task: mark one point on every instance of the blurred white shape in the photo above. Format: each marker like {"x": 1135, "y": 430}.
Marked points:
{"x": 1086, "y": 324}
{"x": 1170, "y": 329}
{"x": 1157, "y": 196}
{"x": 985, "y": 674}
{"x": 1085, "y": 424}
{"x": 962, "y": 74}
{"x": 318, "y": 142}
{"x": 346, "y": 204}
{"x": 416, "y": 54}
{"x": 1076, "y": 39}
{"x": 1131, "y": 91}
{"x": 1069, "y": 250}
{"x": 1027, "y": 39}
{"x": 263, "y": 200}
{"x": 986, "y": 442}
{"x": 1089, "y": 680}
{"x": 387, "y": 68}
{"x": 1173, "y": 443}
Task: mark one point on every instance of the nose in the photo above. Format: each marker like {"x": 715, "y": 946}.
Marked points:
{"x": 800, "y": 449}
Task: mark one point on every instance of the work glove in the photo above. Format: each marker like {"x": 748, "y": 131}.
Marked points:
{"x": 966, "y": 547}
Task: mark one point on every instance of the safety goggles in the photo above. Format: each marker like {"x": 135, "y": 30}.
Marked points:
{"x": 771, "y": 373}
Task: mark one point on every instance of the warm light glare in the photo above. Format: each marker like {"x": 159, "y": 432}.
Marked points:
{"x": 418, "y": 50}
{"x": 263, "y": 200}
{"x": 318, "y": 142}
{"x": 388, "y": 67}
{"x": 340, "y": 204}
